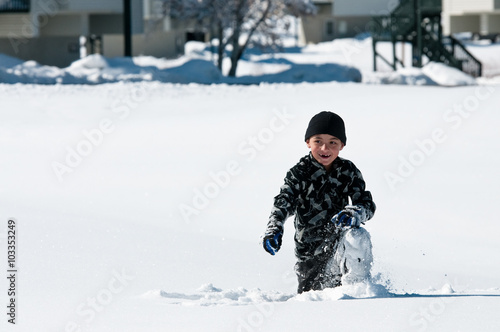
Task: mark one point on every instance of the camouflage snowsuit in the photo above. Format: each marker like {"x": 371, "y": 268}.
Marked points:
{"x": 314, "y": 197}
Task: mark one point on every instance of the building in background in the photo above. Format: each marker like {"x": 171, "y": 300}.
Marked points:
{"x": 354, "y": 17}
{"x": 417, "y": 23}
{"x": 348, "y": 18}
{"x": 479, "y": 16}
{"x": 58, "y": 32}
{"x": 320, "y": 27}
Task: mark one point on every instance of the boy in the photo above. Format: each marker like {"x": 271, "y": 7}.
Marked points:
{"x": 330, "y": 247}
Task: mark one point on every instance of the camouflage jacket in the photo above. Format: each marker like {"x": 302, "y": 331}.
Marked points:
{"x": 314, "y": 197}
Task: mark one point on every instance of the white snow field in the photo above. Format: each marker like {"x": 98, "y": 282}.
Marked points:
{"x": 138, "y": 206}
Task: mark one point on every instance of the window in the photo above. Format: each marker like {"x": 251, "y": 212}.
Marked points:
{"x": 15, "y": 6}
{"x": 329, "y": 28}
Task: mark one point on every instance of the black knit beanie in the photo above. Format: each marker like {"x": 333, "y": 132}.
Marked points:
{"x": 327, "y": 123}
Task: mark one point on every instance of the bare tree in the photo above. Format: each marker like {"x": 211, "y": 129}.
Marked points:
{"x": 238, "y": 22}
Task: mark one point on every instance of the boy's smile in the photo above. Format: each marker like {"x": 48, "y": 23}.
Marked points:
{"x": 325, "y": 148}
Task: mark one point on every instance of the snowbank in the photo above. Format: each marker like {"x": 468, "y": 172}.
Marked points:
{"x": 341, "y": 60}
{"x": 209, "y": 295}
{"x": 404, "y": 76}
{"x": 96, "y": 69}
{"x": 489, "y": 55}
{"x": 356, "y": 291}
{"x": 447, "y": 76}
{"x": 433, "y": 73}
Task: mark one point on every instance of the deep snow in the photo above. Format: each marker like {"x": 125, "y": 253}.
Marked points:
{"x": 105, "y": 245}
{"x": 139, "y": 206}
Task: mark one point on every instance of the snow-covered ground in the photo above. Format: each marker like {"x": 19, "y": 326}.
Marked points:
{"x": 139, "y": 205}
{"x": 341, "y": 60}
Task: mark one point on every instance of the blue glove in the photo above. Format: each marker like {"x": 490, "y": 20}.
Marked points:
{"x": 272, "y": 243}
{"x": 351, "y": 216}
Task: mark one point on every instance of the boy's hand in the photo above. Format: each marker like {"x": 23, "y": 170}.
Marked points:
{"x": 272, "y": 243}
{"x": 351, "y": 217}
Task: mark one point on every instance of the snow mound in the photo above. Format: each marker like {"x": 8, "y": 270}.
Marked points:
{"x": 361, "y": 290}
{"x": 340, "y": 60}
{"x": 209, "y": 295}
{"x": 404, "y": 76}
{"x": 93, "y": 61}
{"x": 31, "y": 72}
{"x": 447, "y": 289}
{"x": 447, "y": 76}
{"x": 299, "y": 73}
{"x": 433, "y": 73}
{"x": 96, "y": 69}
{"x": 195, "y": 71}
{"x": 194, "y": 48}
{"x": 489, "y": 80}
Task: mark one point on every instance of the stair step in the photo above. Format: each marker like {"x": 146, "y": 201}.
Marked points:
{"x": 400, "y": 26}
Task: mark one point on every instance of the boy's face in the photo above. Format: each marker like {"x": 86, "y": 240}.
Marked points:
{"x": 325, "y": 148}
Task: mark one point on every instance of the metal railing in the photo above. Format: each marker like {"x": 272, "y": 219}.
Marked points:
{"x": 469, "y": 64}
{"x": 418, "y": 22}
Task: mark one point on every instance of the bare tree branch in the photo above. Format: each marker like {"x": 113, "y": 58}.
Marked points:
{"x": 233, "y": 19}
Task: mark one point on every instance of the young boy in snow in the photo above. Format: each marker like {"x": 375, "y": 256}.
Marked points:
{"x": 330, "y": 246}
